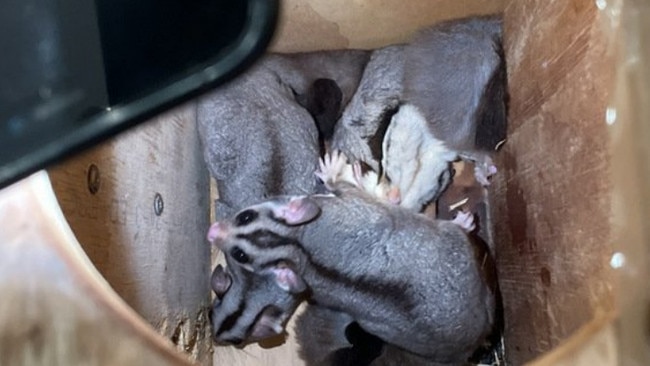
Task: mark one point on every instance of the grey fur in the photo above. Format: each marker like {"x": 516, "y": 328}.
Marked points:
{"x": 239, "y": 318}
{"x": 320, "y": 333}
{"x": 454, "y": 98}
{"x": 359, "y": 132}
{"x": 321, "y": 336}
{"x": 257, "y": 140}
{"x": 413, "y": 281}
{"x": 300, "y": 70}
{"x": 454, "y": 72}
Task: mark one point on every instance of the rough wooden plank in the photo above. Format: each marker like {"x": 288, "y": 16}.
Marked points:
{"x": 594, "y": 344}
{"x": 158, "y": 263}
{"x": 551, "y": 199}
{"x": 56, "y": 308}
{"x": 307, "y": 25}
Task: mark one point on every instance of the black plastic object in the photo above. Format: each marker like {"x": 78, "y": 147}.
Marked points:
{"x": 74, "y": 72}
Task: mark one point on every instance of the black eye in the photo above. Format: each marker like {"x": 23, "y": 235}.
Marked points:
{"x": 239, "y": 255}
{"x": 245, "y": 217}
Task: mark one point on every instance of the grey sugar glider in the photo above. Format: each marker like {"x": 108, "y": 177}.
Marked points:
{"x": 453, "y": 106}
{"x": 413, "y": 281}
{"x": 327, "y": 337}
{"x": 258, "y": 140}
{"x": 323, "y": 81}
{"x": 254, "y": 308}
{"x": 360, "y": 131}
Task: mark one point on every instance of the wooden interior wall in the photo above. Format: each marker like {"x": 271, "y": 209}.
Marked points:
{"x": 56, "y": 309}
{"x": 309, "y": 25}
{"x": 551, "y": 200}
{"x": 139, "y": 205}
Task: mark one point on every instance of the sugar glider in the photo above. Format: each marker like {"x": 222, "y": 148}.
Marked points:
{"x": 429, "y": 102}
{"x": 328, "y": 337}
{"x": 258, "y": 140}
{"x": 410, "y": 280}
{"x": 360, "y": 131}
{"x": 248, "y": 308}
{"x": 453, "y": 106}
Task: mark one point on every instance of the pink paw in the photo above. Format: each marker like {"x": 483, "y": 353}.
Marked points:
{"x": 465, "y": 220}
{"x": 393, "y": 196}
{"x": 330, "y": 167}
{"x": 483, "y": 171}
{"x": 357, "y": 174}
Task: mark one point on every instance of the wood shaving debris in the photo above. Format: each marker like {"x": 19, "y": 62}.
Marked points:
{"x": 496, "y": 148}
{"x": 458, "y": 204}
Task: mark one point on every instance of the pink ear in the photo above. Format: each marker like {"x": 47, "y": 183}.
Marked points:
{"x": 298, "y": 211}
{"x": 266, "y": 326}
{"x": 288, "y": 280}
{"x": 221, "y": 281}
{"x": 216, "y": 231}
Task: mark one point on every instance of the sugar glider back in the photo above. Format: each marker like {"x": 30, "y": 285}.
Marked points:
{"x": 453, "y": 106}
{"x": 258, "y": 141}
{"x": 410, "y": 280}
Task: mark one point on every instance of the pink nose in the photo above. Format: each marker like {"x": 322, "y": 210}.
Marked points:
{"x": 217, "y": 231}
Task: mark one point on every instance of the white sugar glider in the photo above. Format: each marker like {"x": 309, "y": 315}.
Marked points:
{"x": 258, "y": 139}
{"x": 453, "y": 106}
{"x": 435, "y": 100}
{"x": 412, "y": 281}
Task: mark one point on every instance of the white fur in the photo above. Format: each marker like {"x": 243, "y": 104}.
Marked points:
{"x": 413, "y": 159}
{"x": 335, "y": 167}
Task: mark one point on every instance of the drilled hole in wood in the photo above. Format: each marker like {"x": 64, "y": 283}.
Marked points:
{"x": 93, "y": 179}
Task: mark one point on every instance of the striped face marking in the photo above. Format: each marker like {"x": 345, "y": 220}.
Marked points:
{"x": 239, "y": 255}
{"x": 245, "y": 217}
{"x": 253, "y": 307}
{"x": 263, "y": 254}
{"x": 262, "y": 236}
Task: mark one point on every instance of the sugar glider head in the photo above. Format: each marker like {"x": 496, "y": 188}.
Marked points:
{"x": 263, "y": 238}
{"x": 263, "y": 285}
{"x": 249, "y": 307}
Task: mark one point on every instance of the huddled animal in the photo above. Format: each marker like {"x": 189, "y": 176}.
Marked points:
{"x": 385, "y": 284}
{"x": 411, "y": 280}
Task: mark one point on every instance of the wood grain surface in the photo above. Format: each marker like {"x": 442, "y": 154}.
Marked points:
{"x": 551, "y": 200}
{"x": 139, "y": 205}
{"x": 56, "y": 309}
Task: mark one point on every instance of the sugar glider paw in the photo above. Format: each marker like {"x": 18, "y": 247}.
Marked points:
{"x": 330, "y": 168}
{"x": 357, "y": 173}
{"x": 394, "y": 196}
{"x": 465, "y": 220}
{"x": 483, "y": 171}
